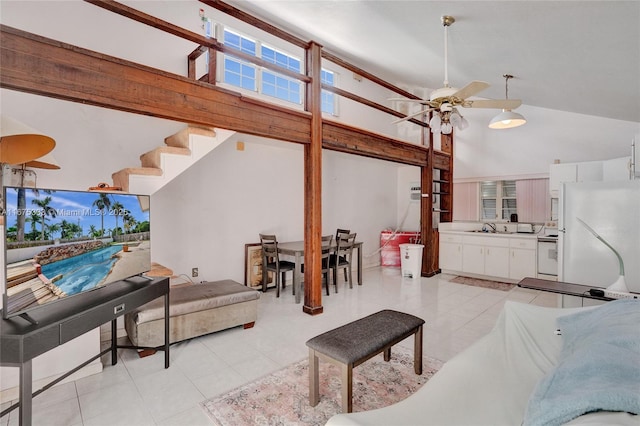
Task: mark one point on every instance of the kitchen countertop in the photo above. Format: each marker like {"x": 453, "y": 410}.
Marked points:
{"x": 494, "y": 234}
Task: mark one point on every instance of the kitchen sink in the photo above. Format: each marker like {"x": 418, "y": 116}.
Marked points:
{"x": 479, "y": 231}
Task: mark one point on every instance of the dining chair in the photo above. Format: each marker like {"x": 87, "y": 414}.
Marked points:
{"x": 342, "y": 258}
{"x": 271, "y": 262}
{"x": 341, "y": 231}
{"x": 326, "y": 251}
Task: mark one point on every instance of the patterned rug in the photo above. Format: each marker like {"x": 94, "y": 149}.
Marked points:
{"x": 496, "y": 285}
{"x": 282, "y": 398}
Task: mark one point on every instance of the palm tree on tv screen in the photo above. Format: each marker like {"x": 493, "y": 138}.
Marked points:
{"x": 45, "y": 210}
{"x": 118, "y": 210}
{"x": 34, "y": 218}
{"x": 129, "y": 222}
{"x": 53, "y": 228}
{"x": 102, "y": 203}
{"x": 22, "y": 207}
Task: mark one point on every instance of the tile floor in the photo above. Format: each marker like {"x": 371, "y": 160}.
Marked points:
{"x": 139, "y": 391}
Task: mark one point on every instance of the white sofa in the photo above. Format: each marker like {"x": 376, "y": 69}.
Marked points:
{"x": 492, "y": 382}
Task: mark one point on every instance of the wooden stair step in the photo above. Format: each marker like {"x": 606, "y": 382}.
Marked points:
{"x": 152, "y": 158}
{"x": 181, "y": 139}
{"x": 121, "y": 177}
{"x": 158, "y": 270}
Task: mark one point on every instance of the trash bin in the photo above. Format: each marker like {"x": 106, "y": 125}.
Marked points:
{"x": 411, "y": 260}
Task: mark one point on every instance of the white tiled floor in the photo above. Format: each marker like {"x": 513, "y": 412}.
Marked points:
{"x": 139, "y": 391}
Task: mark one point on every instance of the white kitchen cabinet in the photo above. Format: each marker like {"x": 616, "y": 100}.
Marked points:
{"x": 473, "y": 258}
{"x": 588, "y": 171}
{"x": 617, "y": 169}
{"x": 485, "y": 255}
{"x": 560, "y": 173}
{"x": 450, "y": 252}
{"x": 522, "y": 258}
{"x": 496, "y": 261}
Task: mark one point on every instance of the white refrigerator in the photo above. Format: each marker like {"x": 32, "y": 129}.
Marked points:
{"x": 612, "y": 210}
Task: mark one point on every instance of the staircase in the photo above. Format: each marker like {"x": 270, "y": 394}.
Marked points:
{"x": 161, "y": 165}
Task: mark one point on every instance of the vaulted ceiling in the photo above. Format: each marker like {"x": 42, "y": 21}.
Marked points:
{"x": 576, "y": 56}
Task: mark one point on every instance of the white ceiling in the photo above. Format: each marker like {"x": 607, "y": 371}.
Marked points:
{"x": 576, "y": 56}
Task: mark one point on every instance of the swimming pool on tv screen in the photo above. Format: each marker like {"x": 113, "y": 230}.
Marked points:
{"x": 82, "y": 272}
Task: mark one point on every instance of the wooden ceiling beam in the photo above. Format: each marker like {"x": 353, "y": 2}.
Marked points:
{"x": 351, "y": 140}
{"x": 34, "y": 64}
{"x": 38, "y": 65}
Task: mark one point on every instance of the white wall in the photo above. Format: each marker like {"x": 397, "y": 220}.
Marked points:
{"x": 480, "y": 152}
{"x": 408, "y": 212}
{"x": 205, "y": 217}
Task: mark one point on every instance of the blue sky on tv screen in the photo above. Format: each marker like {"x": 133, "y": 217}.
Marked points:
{"x": 75, "y": 207}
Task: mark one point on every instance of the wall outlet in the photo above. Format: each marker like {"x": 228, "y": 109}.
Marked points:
{"x": 194, "y": 272}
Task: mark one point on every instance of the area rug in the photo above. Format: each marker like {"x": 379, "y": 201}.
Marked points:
{"x": 282, "y": 398}
{"x": 477, "y": 282}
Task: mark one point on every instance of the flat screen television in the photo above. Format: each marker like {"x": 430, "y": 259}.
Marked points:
{"x": 60, "y": 243}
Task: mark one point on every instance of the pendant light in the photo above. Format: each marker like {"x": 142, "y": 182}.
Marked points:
{"x": 507, "y": 119}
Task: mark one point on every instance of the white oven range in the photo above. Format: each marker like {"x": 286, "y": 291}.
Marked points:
{"x": 548, "y": 257}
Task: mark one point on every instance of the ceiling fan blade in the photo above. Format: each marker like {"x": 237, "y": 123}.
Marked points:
{"x": 493, "y": 103}
{"x": 422, "y": 101}
{"x": 410, "y": 116}
{"x": 471, "y": 89}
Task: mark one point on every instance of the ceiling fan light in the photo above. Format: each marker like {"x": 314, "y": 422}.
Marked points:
{"x": 507, "y": 119}
{"x": 464, "y": 123}
{"x": 455, "y": 119}
{"x": 434, "y": 123}
{"x": 446, "y": 128}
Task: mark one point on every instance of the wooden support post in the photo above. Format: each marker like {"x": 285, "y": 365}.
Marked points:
{"x": 313, "y": 187}
{"x": 430, "y": 235}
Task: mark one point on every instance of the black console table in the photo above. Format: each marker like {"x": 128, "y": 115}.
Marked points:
{"x": 60, "y": 322}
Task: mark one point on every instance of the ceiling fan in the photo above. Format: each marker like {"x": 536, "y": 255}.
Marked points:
{"x": 446, "y": 99}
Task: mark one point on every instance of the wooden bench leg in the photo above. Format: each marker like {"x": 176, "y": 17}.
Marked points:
{"x": 347, "y": 387}
{"x": 314, "y": 384}
{"x": 387, "y": 354}
{"x": 417, "y": 351}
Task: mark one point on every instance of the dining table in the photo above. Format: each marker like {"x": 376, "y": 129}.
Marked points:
{"x": 295, "y": 249}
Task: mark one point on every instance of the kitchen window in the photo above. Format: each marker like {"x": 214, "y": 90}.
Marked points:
{"x": 497, "y": 200}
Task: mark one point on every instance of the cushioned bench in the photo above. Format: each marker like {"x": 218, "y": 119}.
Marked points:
{"x": 354, "y": 343}
{"x": 194, "y": 310}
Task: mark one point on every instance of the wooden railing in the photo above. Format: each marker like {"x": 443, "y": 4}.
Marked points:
{"x": 212, "y": 45}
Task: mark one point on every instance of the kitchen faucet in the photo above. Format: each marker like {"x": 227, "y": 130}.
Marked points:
{"x": 490, "y": 225}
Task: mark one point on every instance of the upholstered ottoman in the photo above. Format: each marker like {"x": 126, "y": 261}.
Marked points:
{"x": 194, "y": 310}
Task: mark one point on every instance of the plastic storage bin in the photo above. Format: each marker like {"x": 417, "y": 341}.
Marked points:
{"x": 390, "y": 243}
{"x": 411, "y": 259}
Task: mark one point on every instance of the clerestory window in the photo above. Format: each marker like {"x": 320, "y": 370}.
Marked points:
{"x": 251, "y": 77}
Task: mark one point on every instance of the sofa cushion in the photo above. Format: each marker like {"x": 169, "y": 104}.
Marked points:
{"x": 194, "y": 298}
{"x": 598, "y": 367}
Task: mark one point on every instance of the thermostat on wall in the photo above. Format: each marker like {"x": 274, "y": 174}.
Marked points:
{"x": 414, "y": 191}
